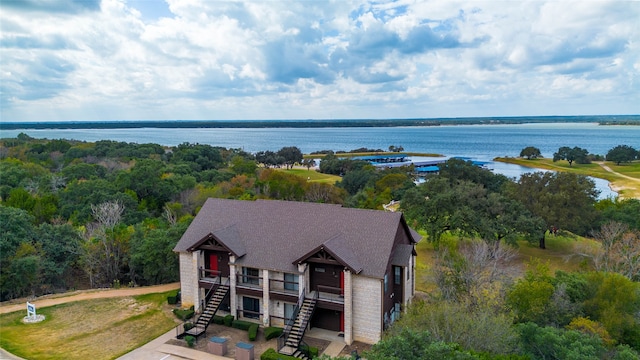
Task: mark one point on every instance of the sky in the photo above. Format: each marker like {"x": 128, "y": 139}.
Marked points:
{"x": 102, "y": 60}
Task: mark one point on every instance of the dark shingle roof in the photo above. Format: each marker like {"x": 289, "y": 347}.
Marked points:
{"x": 273, "y": 234}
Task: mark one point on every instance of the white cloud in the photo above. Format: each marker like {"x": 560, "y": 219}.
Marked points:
{"x": 203, "y": 59}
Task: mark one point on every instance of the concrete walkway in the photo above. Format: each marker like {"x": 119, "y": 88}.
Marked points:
{"x": 158, "y": 350}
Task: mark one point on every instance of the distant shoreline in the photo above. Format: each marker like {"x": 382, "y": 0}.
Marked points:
{"x": 168, "y": 124}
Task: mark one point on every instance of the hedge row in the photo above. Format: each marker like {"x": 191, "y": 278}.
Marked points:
{"x": 272, "y": 332}
{"x": 242, "y": 325}
{"x": 184, "y": 314}
{"x": 271, "y": 354}
{"x": 253, "y": 332}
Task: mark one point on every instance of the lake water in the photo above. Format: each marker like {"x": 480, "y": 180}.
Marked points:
{"x": 480, "y": 142}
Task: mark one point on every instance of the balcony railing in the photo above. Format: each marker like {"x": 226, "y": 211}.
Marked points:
{"x": 330, "y": 293}
{"x": 249, "y": 281}
{"x": 283, "y": 287}
{"x": 208, "y": 275}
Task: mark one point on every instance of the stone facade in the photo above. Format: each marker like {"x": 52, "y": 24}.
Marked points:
{"x": 189, "y": 279}
{"x": 367, "y": 309}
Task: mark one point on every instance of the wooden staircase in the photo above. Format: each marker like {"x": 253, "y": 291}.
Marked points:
{"x": 215, "y": 300}
{"x": 295, "y": 330}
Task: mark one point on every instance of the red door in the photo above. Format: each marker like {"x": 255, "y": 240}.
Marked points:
{"x": 213, "y": 263}
{"x": 341, "y": 282}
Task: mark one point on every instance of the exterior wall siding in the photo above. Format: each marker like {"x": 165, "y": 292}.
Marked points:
{"x": 366, "y": 310}
{"x": 189, "y": 279}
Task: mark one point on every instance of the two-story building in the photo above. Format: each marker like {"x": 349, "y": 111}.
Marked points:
{"x": 348, "y": 270}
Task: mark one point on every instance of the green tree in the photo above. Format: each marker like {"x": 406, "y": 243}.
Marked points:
{"x": 60, "y": 246}
{"x": 411, "y": 345}
{"x": 153, "y": 260}
{"x": 457, "y": 170}
{"x": 308, "y": 163}
{"x": 16, "y": 229}
{"x": 240, "y": 165}
{"x": 561, "y": 199}
{"x": 622, "y": 153}
{"x": 614, "y": 301}
{"x": 552, "y": 343}
{"x": 530, "y": 297}
{"x": 620, "y": 210}
{"x": 579, "y": 155}
{"x": 291, "y": 155}
{"x": 530, "y": 152}
{"x": 356, "y": 180}
{"x": 280, "y": 185}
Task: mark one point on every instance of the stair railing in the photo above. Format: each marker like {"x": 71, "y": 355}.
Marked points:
{"x": 287, "y": 328}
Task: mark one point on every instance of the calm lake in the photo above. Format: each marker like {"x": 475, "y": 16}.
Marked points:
{"x": 480, "y": 142}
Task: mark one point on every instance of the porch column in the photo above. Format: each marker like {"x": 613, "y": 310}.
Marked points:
{"x": 348, "y": 308}
{"x": 302, "y": 279}
{"x": 265, "y": 298}
{"x": 196, "y": 280}
{"x": 233, "y": 299}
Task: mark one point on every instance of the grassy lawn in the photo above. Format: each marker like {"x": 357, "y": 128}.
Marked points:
{"x": 629, "y": 188}
{"x": 90, "y": 329}
{"x": 313, "y": 175}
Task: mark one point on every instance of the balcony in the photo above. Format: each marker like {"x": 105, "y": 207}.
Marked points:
{"x": 207, "y": 278}
{"x": 330, "y": 294}
{"x": 283, "y": 287}
{"x": 249, "y": 281}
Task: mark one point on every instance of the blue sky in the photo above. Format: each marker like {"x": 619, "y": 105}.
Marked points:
{"x": 204, "y": 59}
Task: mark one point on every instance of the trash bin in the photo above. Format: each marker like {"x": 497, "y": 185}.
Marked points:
{"x": 244, "y": 351}
{"x": 217, "y": 346}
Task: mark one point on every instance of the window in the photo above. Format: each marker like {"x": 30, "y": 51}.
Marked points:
{"x": 288, "y": 311}
{"x": 291, "y": 282}
{"x": 386, "y": 282}
{"x": 250, "y": 307}
{"x": 397, "y": 275}
{"x": 250, "y": 276}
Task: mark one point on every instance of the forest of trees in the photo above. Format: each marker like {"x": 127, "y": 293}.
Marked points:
{"x": 80, "y": 214}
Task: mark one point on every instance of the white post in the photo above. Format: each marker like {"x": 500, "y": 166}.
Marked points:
{"x": 265, "y": 298}
{"x": 348, "y": 308}
{"x": 233, "y": 300}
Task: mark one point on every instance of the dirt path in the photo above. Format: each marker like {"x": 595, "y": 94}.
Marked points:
{"x": 617, "y": 173}
{"x": 50, "y": 300}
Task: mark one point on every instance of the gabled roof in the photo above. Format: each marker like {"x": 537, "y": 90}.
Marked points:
{"x": 272, "y": 234}
{"x": 339, "y": 250}
{"x": 228, "y": 237}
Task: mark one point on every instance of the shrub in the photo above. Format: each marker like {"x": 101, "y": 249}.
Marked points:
{"x": 172, "y": 299}
{"x": 183, "y": 314}
{"x": 271, "y": 354}
{"x": 253, "y": 332}
{"x": 218, "y": 320}
{"x": 272, "y": 332}
{"x": 242, "y": 325}
{"x": 228, "y": 320}
{"x": 312, "y": 351}
{"x": 188, "y": 326}
{"x": 190, "y": 340}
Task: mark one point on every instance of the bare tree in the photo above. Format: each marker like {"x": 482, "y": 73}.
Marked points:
{"x": 619, "y": 250}
{"x": 170, "y": 215}
{"x": 108, "y": 214}
{"x": 466, "y": 274}
{"x": 104, "y": 248}
{"x": 57, "y": 182}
